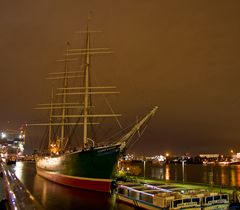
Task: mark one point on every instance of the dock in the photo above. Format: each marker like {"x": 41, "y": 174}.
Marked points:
{"x": 13, "y": 194}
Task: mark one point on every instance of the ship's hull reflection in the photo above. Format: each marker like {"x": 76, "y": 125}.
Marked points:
{"x": 54, "y": 196}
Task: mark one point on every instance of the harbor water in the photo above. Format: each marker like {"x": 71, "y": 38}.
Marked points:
{"x": 220, "y": 175}
{"x": 54, "y": 196}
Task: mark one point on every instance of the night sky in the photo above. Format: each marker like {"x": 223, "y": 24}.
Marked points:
{"x": 183, "y": 56}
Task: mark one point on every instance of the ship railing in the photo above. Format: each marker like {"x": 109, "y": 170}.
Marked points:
{"x": 16, "y": 195}
{"x": 216, "y": 199}
{"x": 186, "y": 203}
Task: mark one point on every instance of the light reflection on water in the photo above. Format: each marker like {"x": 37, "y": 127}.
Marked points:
{"x": 237, "y": 174}
{"x": 167, "y": 175}
{"x": 19, "y": 170}
{"x": 54, "y": 196}
{"x": 226, "y": 175}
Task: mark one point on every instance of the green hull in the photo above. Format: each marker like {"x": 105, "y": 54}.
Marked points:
{"x": 97, "y": 163}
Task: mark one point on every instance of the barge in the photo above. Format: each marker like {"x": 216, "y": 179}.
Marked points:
{"x": 169, "y": 197}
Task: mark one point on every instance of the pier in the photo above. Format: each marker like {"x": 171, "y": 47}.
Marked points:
{"x": 13, "y": 193}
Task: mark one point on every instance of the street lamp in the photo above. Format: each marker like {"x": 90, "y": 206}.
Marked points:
{"x": 144, "y": 167}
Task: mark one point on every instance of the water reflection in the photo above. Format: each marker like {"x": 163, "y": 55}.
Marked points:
{"x": 237, "y": 171}
{"x": 161, "y": 173}
{"x": 175, "y": 175}
{"x": 40, "y": 187}
{"x": 167, "y": 172}
{"x": 233, "y": 175}
{"x": 157, "y": 172}
{"x": 224, "y": 175}
{"x": 210, "y": 176}
{"x": 54, "y": 196}
{"x": 205, "y": 174}
{"x": 227, "y": 175}
{"x": 183, "y": 171}
{"x": 19, "y": 170}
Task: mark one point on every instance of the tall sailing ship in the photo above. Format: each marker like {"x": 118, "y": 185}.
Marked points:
{"x": 91, "y": 165}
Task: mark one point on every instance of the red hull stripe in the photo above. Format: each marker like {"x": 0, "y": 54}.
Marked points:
{"x": 102, "y": 185}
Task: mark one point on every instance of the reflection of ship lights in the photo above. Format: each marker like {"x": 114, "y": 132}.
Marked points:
{"x": 19, "y": 170}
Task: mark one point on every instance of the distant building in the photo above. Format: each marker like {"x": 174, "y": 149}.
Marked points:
{"x": 209, "y": 155}
{"x": 238, "y": 155}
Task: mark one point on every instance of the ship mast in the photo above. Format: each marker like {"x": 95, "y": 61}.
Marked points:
{"x": 86, "y": 90}
{"x": 86, "y": 87}
{"x": 127, "y": 137}
{"x": 64, "y": 100}
{"x": 50, "y": 123}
